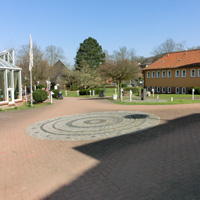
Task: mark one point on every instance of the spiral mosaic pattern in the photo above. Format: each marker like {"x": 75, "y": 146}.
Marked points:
{"x": 90, "y": 126}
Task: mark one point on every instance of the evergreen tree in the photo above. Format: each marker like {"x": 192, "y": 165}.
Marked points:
{"x": 90, "y": 53}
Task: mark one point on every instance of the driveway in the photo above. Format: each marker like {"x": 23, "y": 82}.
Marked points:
{"x": 160, "y": 163}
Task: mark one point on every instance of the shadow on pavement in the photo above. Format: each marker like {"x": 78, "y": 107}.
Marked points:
{"x": 161, "y": 163}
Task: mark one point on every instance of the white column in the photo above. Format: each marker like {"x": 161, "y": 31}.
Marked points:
{"x": 20, "y": 84}
{"x": 6, "y": 86}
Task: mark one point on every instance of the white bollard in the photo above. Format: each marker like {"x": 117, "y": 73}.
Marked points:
{"x": 66, "y": 93}
{"x": 121, "y": 98}
{"x": 153, "y": 92}
{"x": 157, "y": 96}
{"x": 77, "y": 92}
{"x": 131, "y": 95}
{"x": 193, "y": 94}
{"x": 172, "y": 99}
{"x": 93, "y": 92}
{"x": 25, "y": 94}
{"x": 90, "y": 93}
{"x": 51, "y": 97}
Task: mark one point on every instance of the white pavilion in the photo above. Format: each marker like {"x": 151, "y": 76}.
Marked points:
{"x": 10, "y": 79}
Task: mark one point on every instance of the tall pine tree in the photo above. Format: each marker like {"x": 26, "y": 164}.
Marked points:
{"x": 90, "y": 53}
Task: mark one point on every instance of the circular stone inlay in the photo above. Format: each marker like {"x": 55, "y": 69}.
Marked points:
{"x": 89, "y": 126}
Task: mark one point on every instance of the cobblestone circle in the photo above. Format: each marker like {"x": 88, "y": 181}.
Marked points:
{"x": 92, "y": 126}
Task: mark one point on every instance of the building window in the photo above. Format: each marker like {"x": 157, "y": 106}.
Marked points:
{"x": 163, "y": 89}
{"x": 169, "y": 73}
{"x": 163, "y": 74}
{"x": 158, "y": 74}
{"x": 158, "y": 89}
{"x": 177, "y": 73}
{"x": 183, "y": 72}
{"x": 148, "y": 74}
{"x": 183, "y": 90}
{"x": 148, "y": 88}
{"x": 169, "y": 90}
{"x": 192, "y": 72}
{"x": 177, "y": 90}
{"x": 198, "y": 72}
{"x": 153, "y": 74}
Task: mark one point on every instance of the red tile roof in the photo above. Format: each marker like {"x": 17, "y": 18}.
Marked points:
{"x": 176, "y": 59}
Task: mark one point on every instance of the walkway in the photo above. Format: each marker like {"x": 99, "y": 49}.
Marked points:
{"x": 161, "y": 163}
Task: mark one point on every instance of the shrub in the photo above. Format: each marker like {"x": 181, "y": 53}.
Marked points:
{"x": 73, "y": 88}
{"x": 124, "y": 85}
{"x": 197, "y": 90}
{"x": 134, "y": 90}
{"x": 56, "y": 92}
{"x": 86, "y": 91}
{"x": 111, "y": 86}
{"x": 40, "y": 95}
{"x": 40, "y": 86}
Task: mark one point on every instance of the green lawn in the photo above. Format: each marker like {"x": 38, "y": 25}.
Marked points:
{"x": 26, "y": 106}
{"x": 177, "y": 98}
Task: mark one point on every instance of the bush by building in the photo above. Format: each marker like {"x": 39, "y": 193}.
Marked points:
{"x": 196, "y": 90}
{"x": 40, "y": 95}
{"x": 56, "y": 92}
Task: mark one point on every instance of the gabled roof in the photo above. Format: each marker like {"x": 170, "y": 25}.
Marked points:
{"x": 176, "y": 60}
{"x": 7, "y": 65}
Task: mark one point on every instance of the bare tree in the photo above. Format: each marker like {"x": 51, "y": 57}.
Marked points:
{"x": 120, "y": 70}
{"x": 124, "y": 54}
{"x": 168, "y": 46}
{"x": 86, "y": 77}
{"x": 40, "y": 68}
{"x": 53, "y": 54}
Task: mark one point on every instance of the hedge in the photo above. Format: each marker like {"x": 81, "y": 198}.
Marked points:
{"x": 134, "y": 90}
{"x": 40, "y": 86}
{"x": 87, "y": 91}
{"x": 40, "y": 95}
{"x": 56, "y": 92}
{"x": 197, "y": 90}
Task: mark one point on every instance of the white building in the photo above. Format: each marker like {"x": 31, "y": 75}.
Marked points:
{"x": 10, "y": 79}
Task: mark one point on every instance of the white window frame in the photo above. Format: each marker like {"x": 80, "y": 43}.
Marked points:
{"x": 178, "y": 73}
{"x": 198, "y": 72}
{"x": 162, "y": 74}
{"x": 148, "y": 74}
{"x": 158, "y": 90}
{"x": 169, "y": 90}
{"x": 182, "y": 72}
{"x": 168, "y": 73}
{"x": 194, "y": 72}
{"x": 177, "y": 90}
{"x": 153, "y": 74}
{"x": 158, "y": 74}
{"x": 163, "y": 90}
{"x": 183, "y": 88}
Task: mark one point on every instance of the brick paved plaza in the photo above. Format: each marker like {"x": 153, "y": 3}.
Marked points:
{"x": 159, "y": 163}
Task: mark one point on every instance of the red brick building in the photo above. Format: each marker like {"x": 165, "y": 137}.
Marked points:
{"x": 174, "y": 73}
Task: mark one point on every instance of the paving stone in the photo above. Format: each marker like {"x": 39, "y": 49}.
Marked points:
{"x": 93, "y": 126}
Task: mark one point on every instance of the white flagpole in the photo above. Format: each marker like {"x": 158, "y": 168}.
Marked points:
{"x": 30, "y": 68}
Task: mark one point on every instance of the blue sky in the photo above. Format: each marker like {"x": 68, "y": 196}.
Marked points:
{"x": 141, "y": 25}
